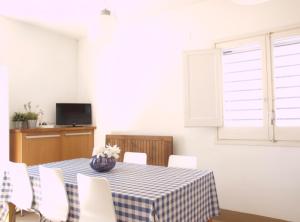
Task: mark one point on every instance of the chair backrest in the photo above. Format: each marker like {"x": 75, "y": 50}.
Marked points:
{"x": 181, "y": 161}
{"x": 22, "y": 194}
{"x": 135, "y": 157}
{"x": 95, "y": 199}
{"x": 54, "y": 201}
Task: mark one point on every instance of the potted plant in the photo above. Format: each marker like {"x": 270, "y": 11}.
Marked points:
{"x": 30, "y": 116}
{"x": 18, "y": 119}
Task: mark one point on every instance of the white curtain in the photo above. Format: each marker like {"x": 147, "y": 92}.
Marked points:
{"x": 4, "y": 118}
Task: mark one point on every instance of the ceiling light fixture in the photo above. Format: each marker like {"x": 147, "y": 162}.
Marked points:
{"x": 105, "y": 12}
{"x": 102, "y": 25}
{"x": 107, "y": 24}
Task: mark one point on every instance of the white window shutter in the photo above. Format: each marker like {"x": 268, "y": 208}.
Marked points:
{"x": 201, "y": 69}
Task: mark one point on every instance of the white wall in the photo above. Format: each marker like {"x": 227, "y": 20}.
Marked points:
{"x": 4, "y": 138}
{"x": 42, "y": 66}
{"x": 136, "y": 85}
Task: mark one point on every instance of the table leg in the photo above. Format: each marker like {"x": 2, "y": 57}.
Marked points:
{"x": 12, "y": 212}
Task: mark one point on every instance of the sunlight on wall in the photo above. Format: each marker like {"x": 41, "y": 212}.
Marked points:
{"x": 4, "y": 118}
{"x": 128, "y": 76}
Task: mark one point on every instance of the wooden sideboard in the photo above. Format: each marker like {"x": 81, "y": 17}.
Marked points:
{"x": 43, "y": 145}
{"x": 157, "y": 148}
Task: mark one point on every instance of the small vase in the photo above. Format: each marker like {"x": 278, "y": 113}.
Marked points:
{"x": 18, "y": 124}
{"x": 31, "y": 123}
{"x": 102, "y": 164}
{"x": 25, "y": 125}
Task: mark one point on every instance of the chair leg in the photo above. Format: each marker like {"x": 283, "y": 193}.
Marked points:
{"x": 41, "y": 216}
{"x": 11, "y": 212}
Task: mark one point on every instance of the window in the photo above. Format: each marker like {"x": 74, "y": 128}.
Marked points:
{"x": 261, "y": 87}
{"x": 286, "y": 88}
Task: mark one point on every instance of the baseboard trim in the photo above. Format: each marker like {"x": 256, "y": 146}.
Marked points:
{"x": 234, "y": 216}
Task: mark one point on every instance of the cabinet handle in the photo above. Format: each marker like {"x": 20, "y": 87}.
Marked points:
{"x": 77, "y": 134}
{"x": 42, "y": 136}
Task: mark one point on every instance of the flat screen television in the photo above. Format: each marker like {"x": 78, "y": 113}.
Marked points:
{"x": 74, "y": 114}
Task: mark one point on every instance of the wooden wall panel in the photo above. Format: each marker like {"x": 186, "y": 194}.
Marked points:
{"x": 158, "y": 148}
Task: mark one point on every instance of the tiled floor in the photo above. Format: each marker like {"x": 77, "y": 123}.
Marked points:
{"x": 28, "y": 217}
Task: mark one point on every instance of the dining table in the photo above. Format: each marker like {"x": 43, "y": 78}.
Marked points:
{"x": 141, "y": 193}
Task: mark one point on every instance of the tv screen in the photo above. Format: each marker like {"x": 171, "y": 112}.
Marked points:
{"x": 73, "y": 114}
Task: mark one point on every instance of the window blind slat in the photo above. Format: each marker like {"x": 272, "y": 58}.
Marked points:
{"x": 242, "y": 67}
{"x": 286, "y": 76}
{"x": 244, "y": 76}
{"x": 287, "y": 102}
{"x": 235, "y": 105}
{"x": 286, "y": 71}
{"x": 287, "y": 49}
{"x": 248, "y": 114}
{"x": 244, "y": 95}
{"x": 241, "y": 80}
{"x": 242, "y": 85}
{"x": 232, "y": 58}
{"x": 287, "y": 122}
{"x": 288, "y": 81}
{"x": 287, "y": 54}
{"x": 243, "y": 123}
{"x": 288, "y": 113}
{"x": 287, "y": 92}
{"x": 288, "y": 60}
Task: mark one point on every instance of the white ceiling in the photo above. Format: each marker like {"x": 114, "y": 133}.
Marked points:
{"x": 72, "y": 17}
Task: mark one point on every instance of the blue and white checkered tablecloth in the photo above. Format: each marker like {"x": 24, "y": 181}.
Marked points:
{"x": 140, "y": 192}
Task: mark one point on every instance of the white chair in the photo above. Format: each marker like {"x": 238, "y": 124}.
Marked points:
{"x": 54, "y": 204}
{"x": 135, "y": 157}
{"x": 95, "y": 199}
{"x": 22, "y": 194}
{"x": 180, "y": 161}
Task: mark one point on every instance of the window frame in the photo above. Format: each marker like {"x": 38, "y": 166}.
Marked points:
{"x": 269, "y": 133}
{"x": 245, "y": 133}
{"x": 282, "y": 133}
